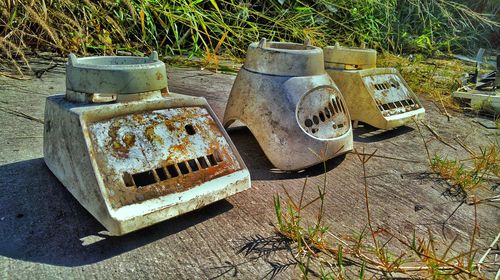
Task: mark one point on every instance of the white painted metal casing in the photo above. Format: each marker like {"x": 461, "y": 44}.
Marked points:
{"x": 379, "y": 97}
{"x": 290, "y": 104}
{"x": 142, "y": 159}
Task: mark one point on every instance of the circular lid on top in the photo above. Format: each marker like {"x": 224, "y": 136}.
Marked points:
{"x": 115, "y": 74}
{"x": 360, "y": 57}
{"x": 284, "y": 59}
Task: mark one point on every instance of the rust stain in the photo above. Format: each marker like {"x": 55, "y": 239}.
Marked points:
{"x": 159, "y": 76}
{"x": 119, "y": 146}
{"x": 139, "y": 118}
{"x": 151, "y": 135}
{"x": 119, "y": 149}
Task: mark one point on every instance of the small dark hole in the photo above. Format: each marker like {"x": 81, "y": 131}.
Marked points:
{"x": 334, "y": 126}
{"x": 392, "y": 105}
{"x": 336, "y": 106}
{"x": 308, "y": 123}
{"x": 331, "y": 108}
{"x": 212, "y": 160}
{"x": 327, "y": 112}
{"x": 341, "y": 105}
{"x": 172, "y": 170}
{"x": 190, "y": 129}
{"x": 376, "y": 87}
{"x": 127, "y": 179}
{"x": 144, "y": 178}
{"x": 193, "y": 165}
{"x": 314, "y": 130}
{"x": 394, "y": 85}
{"x": 161, "y": 174}
{"x": 340, "y": 125}
{"x": 315, "y": 119}
{"x": 203, "y": 162}
{"x": 385, "y": 106}
{"x": 410, "y": 101}
{"x": 321, "y": 116}
{"x": 183, "y": 167}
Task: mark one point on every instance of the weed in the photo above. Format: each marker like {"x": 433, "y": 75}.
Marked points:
{"x": 422, "y": 257}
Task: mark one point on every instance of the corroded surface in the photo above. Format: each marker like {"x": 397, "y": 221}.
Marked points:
{"x": 391, "y": 94}
{"x": 147, "y": 155}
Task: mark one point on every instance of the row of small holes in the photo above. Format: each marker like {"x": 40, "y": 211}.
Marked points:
{"x": 397, "y": 104}
{"x": 171, "y": 171}
{"x": 332, "y": 109}
{"x": 385, "y": 85}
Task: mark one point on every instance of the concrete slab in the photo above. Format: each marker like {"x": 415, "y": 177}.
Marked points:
{"x": 45, "y": 233}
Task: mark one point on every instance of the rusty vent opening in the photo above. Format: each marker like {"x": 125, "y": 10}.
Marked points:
{"x": 398, "y": 104}
{"x": 164, "y": 173}
{"x": 144, "y": 178}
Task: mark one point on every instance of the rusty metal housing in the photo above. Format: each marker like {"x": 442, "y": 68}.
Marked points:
{"x": 290, "y": 104}
{"x": 379, "y": 97}
{"x": 142, "y": 155}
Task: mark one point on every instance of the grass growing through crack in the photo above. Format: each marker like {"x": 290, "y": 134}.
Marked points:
{"x": 374, "y": 251}
{"x": 479, "y": 171}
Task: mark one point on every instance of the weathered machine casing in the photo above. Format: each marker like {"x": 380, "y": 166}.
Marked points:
{"x": 137, "y": 162}
{"x": 290, "y": 104}
{"x": 379, "y": 97}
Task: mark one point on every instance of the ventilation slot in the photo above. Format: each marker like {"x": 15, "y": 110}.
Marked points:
{"x": 408, "y": 104}
{"x": 144, "y": 178}
{"x": 171, "y": 171}
{"x": 335, "y": 106}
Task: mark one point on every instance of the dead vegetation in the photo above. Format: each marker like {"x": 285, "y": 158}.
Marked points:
{"x": 432, "y": 78}
{"x": 375, "y": 251}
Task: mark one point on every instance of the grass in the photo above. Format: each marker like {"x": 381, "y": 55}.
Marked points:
{"x": 209, "y": 29}
{"x": 374, "y": 252}
{"x": 480, "y": 171}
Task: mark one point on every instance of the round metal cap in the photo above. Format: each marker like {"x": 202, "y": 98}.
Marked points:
{"x": 284, "y": 59}
{"x": 358, "y": 58}
{"x": 115, "y": 74}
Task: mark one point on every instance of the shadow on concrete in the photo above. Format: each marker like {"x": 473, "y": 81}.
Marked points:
{"x": 365, "y": 133}
{"x": 261, "y": 168}
{"x": 40, "y": 221}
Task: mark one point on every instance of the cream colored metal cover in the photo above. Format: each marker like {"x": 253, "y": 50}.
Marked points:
{"x": 379, "y": 97}
{"x": 133, "y": 164}
{"x": 290, "y": 104}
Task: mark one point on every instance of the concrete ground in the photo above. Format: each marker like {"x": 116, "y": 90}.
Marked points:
{"x": 45, "y": 233}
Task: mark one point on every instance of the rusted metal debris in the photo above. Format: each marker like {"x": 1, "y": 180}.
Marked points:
{"x": 290, "y": 104}
{"x": 142, "y": 155}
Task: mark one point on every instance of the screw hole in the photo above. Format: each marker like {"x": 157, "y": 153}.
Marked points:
{"x": 190, "y": 129}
